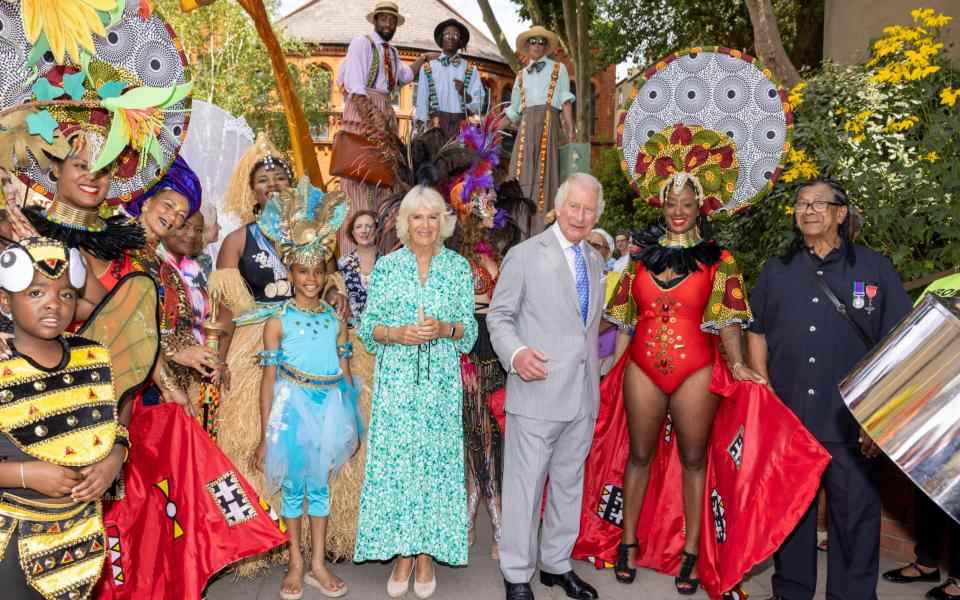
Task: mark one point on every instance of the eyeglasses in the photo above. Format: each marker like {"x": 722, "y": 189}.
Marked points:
{"x": 817, "y": 206}
{"x": 537, "y": 41}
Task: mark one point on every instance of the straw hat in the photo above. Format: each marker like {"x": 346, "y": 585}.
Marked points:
{"x": 385, "y": 6}
{"x": 553, "y": 42}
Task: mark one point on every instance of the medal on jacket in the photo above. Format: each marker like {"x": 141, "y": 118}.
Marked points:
{"x": 871, "y": 294}
{"x": 858, "y": 294}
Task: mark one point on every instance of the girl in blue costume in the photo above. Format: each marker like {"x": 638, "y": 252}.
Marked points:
{"x": 308, "y": 403}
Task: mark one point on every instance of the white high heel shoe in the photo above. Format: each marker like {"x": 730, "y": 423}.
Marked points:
{"x": 397, "y": 589}
{"x": 427, "y": 589}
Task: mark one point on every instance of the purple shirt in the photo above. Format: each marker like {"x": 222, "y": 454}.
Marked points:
{"x": 355, "y": 69}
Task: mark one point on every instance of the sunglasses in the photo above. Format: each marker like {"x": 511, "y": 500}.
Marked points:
{"x": 537, "y": 41}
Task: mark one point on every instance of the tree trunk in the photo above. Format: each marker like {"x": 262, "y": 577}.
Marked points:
{"x": 536, "y": 15}
{"x": 807, "y": 49}
{"x": 502, "y": 44}
{"x": 583, "y": 71}
{"x": 766, "y": 39}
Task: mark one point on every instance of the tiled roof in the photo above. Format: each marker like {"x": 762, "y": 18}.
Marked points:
{"x": 339, "y": 21}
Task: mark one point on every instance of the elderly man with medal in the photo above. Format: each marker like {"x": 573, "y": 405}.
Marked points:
{"x": 449, "y": 87}
{"x": 818, "y": 310}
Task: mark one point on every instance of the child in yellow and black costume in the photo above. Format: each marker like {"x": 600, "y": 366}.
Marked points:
{"x": 61, "y": 444}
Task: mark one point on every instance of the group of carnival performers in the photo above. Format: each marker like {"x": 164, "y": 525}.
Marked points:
{"x": 154, "y": 413}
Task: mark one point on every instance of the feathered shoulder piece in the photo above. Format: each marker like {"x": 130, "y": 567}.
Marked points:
{"x": 302, "y": 223}
{"x": 657, "y": 257}
{"x": 119, "y": 234}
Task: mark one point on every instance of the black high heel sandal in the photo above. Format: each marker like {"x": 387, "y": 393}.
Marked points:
{"x": 686, "y": 585}
{"x": 622, "y": 570}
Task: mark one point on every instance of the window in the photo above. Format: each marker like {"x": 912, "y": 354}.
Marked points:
{"x": 315, "y": 91}
{"x": 506, "y": 93}
{"x": 395, "y": 97}
{"x": 320, "y": 130}
{"x": 487, "y": 95}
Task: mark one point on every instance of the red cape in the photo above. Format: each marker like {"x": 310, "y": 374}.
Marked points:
{"x": 763, "y": 471}
{"x": 187, "y": 512}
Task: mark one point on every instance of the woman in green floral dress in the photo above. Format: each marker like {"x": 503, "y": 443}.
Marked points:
{"x": 418, "y": 320}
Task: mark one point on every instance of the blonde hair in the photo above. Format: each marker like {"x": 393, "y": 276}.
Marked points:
{"x": 419, "y": 197}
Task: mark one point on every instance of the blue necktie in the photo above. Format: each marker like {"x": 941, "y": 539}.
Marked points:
{"x": 583, "y": 284}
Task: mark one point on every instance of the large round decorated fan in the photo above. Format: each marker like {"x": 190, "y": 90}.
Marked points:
{"x": 692, "y": 109}
{"x": 127, "y": 70}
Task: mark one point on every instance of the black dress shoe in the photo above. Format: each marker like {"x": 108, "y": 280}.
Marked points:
{"x": 571, "y": 584}
{"x": 897, "y": 576}
{"x": 940, "y": 592}
{"x": 518, "y": 591}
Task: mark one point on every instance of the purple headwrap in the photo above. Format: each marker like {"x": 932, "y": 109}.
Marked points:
{"x": 181, "y": 179}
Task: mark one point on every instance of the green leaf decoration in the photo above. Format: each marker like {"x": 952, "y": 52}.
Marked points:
{"x": 73, "y": 84}
{"x": 85, "y": 59}
{"x": 149, "y": 97}
{"x": 117, "y": 13}
{"x": 706, "y": 136}
{"x": 43, "y": 90}
{"x": 111, "y": 89}
{"x": 43, "y": 124}
{"x": 39, "y": 49}
{"x": 653, "y": 145}
{"x": 153, "y": 149}
{"x": 117, "y": 140}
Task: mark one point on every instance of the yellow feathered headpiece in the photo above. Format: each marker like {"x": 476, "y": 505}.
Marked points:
{"x": 240, "y": 199}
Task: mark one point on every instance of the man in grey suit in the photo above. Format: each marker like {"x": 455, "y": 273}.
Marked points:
{"x": 543, "y": 321}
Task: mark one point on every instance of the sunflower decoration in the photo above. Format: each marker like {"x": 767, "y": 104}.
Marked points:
{"x": 106, "y": 76}
{"x": 707, "y": 157}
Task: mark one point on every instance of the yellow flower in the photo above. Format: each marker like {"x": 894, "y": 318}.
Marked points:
{"x": 931, "y": 157}
{"x": 894, "y": 126}
{"x": 795, "y": 97}
{"x": 68, "y": 24}
{"x": 929, "y": 18}
{"x": 788, "y": 210}
{"x": 948, "y": 96}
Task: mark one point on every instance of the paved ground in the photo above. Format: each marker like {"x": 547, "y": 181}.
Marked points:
{"x": 482, "y": 581}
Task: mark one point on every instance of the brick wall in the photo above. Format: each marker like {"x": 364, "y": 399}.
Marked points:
{"x": 896, "y": 529}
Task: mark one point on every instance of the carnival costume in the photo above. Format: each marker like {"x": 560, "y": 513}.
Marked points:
{"x": 540, "y": 91}
{"x": 314, "y": 425}
{"x": 485, "y": 229}
{"x": 133, "y": 116}
{"x": 763, "y": 468}
{"x": 439, "y": 102}
{"x": 66, "y": 415}
{"x": 370, "y": 73}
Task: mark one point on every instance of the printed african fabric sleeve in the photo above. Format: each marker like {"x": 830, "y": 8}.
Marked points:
{"x": 621, "y": 309}
{"x": 728, "y": 299}
{"x": 186, "y": 513}
{"x": 763, "y": 471}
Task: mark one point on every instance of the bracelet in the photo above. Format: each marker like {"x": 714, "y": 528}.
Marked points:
{"x": 735, "y": 366}
{"x": 386, "y": 334}
{"x": 23, "y": 480}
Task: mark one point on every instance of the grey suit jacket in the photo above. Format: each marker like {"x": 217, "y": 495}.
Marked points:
{"x": 535, "y": 305}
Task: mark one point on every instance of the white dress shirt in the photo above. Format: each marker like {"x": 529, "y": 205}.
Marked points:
{"x": 355, "y": 68}
{"x": 448, "y": 98}
{"x": 536, "y": 85}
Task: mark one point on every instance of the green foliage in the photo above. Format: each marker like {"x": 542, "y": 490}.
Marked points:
{"x": 621, "y": 212}
{"x": 893, "y": 145}
{"x": 230, "y": 67}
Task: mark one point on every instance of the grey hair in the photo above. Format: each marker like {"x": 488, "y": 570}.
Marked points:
{"x": 423, "y": 196}
{"x": 585, "y": 181}
{"x": 606, "y": 237}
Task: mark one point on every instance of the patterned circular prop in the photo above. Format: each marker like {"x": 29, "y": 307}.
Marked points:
{"x": 136, "y": 52}
{"x": 721, "y": 90}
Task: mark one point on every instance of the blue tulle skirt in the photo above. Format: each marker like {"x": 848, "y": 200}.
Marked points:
{"x": 312, "y": 431}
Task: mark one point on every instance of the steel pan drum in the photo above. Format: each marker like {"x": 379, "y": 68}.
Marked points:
{"x": 906, "y": 396}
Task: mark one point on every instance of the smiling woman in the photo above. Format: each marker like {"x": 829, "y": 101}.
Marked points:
{"x": 418, "y": 320}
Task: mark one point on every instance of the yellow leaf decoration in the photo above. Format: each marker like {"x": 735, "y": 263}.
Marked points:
{"x": 69, "y": 25}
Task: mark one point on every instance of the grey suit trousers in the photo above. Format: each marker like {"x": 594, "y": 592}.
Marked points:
{"x": 534, "y": 449}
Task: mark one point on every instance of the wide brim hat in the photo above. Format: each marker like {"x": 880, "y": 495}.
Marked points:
{"x": 691, "y": 110}
{"x": 112, "y": 72}
{"x": 464, "y": 32}
{"x": 553, "y": 42}
{"x": 385, "y": 6}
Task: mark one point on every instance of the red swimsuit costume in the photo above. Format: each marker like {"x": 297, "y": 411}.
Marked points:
{"x": 669, "y": 345}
